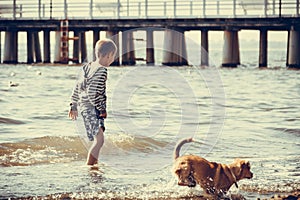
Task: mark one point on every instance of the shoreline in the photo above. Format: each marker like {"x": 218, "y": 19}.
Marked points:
{"x": 65, "y": 196}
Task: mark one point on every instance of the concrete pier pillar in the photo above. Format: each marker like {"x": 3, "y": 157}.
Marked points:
{"x": 76, "y": 45}
{"x": 114, "y": 35}
{"x": 150, "y": 48}
{"x": 293, "y": 57}
{"x": 7, "y": 47}
{"x": 183, "y": 58}
{"x": 11, "y": 47}
{"x": 37, "y": 47}
{"x": 204, "y": 48}
{"x": 125, "y": 55}
{"x": 128, "y": 54}
{"x": 57, "y": 49}
{"x": 47, "y": 51}
{"x": 231, "y": 51}
{"x": 30, "y": 52}
{"x": 83, "y": 47}
{"x": 131, "y": 49}
{"x": 0, "y": 48}
{"x": 33, "y": 47}
{"x": 175, "y": 53}
{"x": 263, "y": 48}
{"x": 15, "y": 47}
{"x": 96, "y": 37}
{"x": 287, "y": 51}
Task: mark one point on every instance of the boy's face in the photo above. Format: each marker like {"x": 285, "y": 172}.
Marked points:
{"x": 111, "y": 57}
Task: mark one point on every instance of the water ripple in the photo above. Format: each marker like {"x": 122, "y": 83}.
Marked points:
{"x": 4, "y": 120}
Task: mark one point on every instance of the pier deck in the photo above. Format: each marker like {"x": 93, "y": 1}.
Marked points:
{"x": 125, "y": 24}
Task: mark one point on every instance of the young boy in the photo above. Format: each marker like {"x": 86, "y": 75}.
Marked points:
{"x": 90, "y": 95}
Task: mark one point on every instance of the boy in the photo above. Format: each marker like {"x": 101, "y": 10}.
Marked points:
{"x": 90, "y": 95}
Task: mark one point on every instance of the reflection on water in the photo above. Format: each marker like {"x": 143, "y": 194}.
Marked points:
{"x": 42, "y": 152}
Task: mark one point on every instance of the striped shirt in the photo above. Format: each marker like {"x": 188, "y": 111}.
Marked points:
{"x": 90, "y": 88}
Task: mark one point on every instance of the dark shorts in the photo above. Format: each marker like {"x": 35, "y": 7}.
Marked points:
{"x": 92, "y": 123}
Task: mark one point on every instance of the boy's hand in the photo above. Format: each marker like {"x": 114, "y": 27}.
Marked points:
{"x": 73, "y": 114}
{"x": 104, "y": 115}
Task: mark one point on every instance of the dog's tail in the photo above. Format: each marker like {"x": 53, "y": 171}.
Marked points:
{"x": 179, "y": 145}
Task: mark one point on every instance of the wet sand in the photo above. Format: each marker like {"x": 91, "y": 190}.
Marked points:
{"x": 67, "y": 196}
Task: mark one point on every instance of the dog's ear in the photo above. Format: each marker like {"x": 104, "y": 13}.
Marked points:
{"x": 239, "y": 165}
{"x": 242, "y": 163}
{"x": 177, "y": 171}
{"x": 245, "y": 164}
{"x": 239, "y": 168}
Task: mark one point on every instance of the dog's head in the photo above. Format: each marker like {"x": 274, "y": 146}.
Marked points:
{"x": 241, "y": 169}
{"x": 182, "y": 168}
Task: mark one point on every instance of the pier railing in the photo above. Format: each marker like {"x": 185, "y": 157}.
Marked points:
{"x": 126, "y": 9}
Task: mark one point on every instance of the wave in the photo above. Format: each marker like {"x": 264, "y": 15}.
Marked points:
{"x": 4, "y": 120}
{"x": 54, "y": 149}
{"x": 295, "y": 132}
{"x": 136, "y": 143}
{"x": 41, "y": 150}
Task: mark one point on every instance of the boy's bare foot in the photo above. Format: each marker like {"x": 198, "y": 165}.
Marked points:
{"x": 94, "y": 167}
{"x": 91, "y": 160}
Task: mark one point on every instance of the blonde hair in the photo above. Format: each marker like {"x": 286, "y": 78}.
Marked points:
{"x": 104, "y": 47}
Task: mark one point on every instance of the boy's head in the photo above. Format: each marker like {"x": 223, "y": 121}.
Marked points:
{"x": 104, "y": 48}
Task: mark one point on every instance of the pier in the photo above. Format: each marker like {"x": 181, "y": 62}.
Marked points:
{"x": 119, "y": 18}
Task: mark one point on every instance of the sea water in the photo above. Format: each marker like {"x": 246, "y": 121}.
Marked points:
{"x": 43, "y": 152}
{"x": 246, "y": 112}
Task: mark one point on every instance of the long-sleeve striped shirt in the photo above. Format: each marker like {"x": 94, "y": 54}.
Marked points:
{"x": 90, "y": 88}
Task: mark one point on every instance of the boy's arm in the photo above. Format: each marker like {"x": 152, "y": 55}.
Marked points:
{"x": 74, "y": 98}
{"x": 97, "y": 91}
{"x": 73, "y": 113}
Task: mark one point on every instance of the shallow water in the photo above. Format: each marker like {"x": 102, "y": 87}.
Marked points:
{"x": 237, "y": 113}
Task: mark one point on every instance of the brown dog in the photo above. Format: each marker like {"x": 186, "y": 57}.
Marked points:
{"x": 214, "y": 178}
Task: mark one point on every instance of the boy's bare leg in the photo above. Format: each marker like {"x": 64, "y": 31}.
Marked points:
{"x": 91, "y": 160}
{"x": 94, "y": 151}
